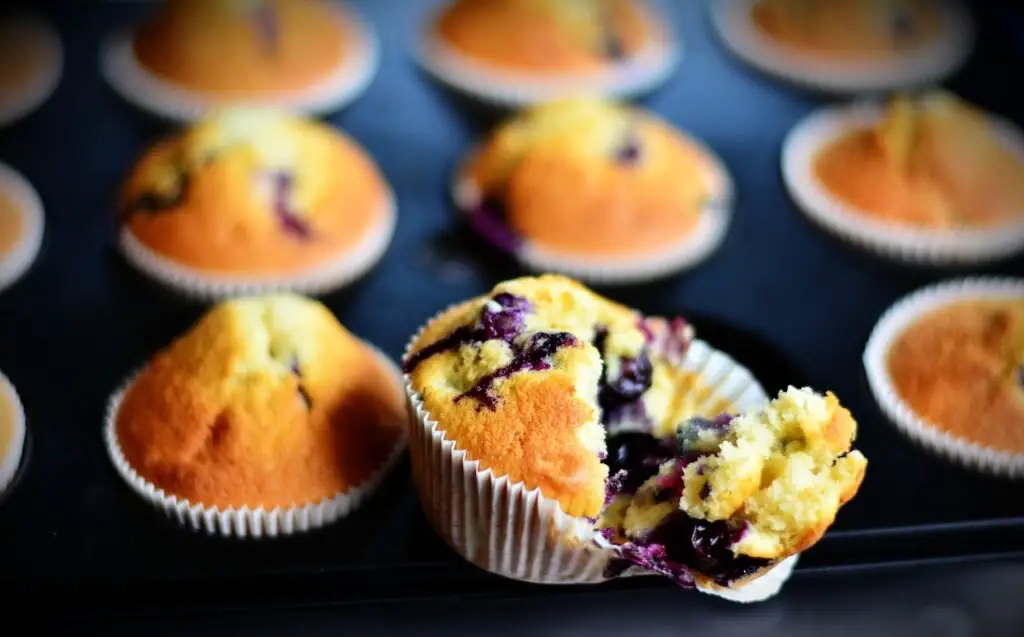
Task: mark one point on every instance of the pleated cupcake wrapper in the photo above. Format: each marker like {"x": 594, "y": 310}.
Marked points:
{"x": 892, "y": 324}
{"x": 929, "y": 64}
{"x": 200, "y": 285}
{"x": 244, "y": 522}
{"x": 11, "y": 460}
{"x": 697, "y": 246}
{"x": 902, "y": 243}
{"x": 507, "y": 529}
{"x": 147, "y": 91}
{"x": 16, "y": 104}
{"x": 500, "y": 87}
{"x": 16, "y": 261}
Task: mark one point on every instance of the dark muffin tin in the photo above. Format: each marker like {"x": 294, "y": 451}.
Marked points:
{"x": 788, "y": 301}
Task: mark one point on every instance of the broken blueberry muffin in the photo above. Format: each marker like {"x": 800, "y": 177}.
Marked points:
{"x": 266, "y": 402}
{"x": 963, "y": 359}
{"x": 256, "y": 193}
{"x": 546, "y": 384}
{"x": 932, "y": 161}
{"x": 245, "y": 48}
{"x": 591, "y": 181}
{"x": 849, "y": 28}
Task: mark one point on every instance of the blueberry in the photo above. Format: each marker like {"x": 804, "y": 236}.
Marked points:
{"x": 638, "y": 455}
{"x": 702, "y": 435}
{"x": 634, "y": 378}
{"x": 507, "y": 320}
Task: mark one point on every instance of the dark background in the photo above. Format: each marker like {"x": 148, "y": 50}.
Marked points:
{"x": 785, "y": 299}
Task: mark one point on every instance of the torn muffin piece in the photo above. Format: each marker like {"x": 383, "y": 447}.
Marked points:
{"x": 740, "y": 493}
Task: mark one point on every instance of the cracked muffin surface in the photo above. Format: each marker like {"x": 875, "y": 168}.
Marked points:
{"x": 545, "y": 37}
{"x": 934, "y": 161}
{"x": 591, "y": 177}
{"x": 266, "y": 401}
{"x": 243, "y": 48}
{"x": 254, "y": 191}
{"x": 962, "y": 360}
{"x": 849, "y": 28}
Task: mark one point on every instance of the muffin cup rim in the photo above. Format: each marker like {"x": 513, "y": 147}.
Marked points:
{"x": 899, "y": 242}
{"x": 355, "y": 72}
{"x": 42, "y": 87}
{"x": 693, "y": 249}
{"x": 893, "y": 322}
{"x": 760, "y": 587}
{"x": 506, "y": 88}
{"x": 17, "y": 261}
{"x": 350, "y": 265}
{"x": 929, "y": 64}
{"x": 12, "y": 459}
{"x": 247, "y": 522}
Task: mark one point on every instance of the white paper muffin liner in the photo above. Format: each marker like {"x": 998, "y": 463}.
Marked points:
{"x": 198, "y": 284}
{"x": 929, "y": 64}
{"x": 11, "y": 459}
{"x": 22, "y": 102}
{"x": 502, "y": 87}
{"x": 904, "y": 243}
{"x": 244, "y": 522}
{"x": 509, "y": 530}
{"x": 15, "y": 262}
{"x": 147, "y": 91}
{"x": 892, "y": 324}
{"x": 692, "y": 250}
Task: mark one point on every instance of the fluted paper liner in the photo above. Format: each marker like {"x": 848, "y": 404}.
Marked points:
{"x": 693, "y": 249}
{"x": 506, "y": 88}
{"x": 139, "y": 86}
{"x": 507, "y": 529}
{"x": 910, "y": 244}
{"x": 16, "y": 104}
{"x": 928, "y": 64}
{"x": 19, "y": 258}
{"x": 243, "y": 522}
{"x": 892, "y": 324}
{"x": 198, "y": 284}
{"x": 11, "y": 460}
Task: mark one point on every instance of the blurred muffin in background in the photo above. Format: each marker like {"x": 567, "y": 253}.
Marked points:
{"x": 310, "y": 55}
{"x": 933, "y": 161}
{"x": 22, "y": 225}
{"x": 12, "y": 434}
{"x": 31, "y": 59}
{"x": 598, "y": 190}
{"x": 252, "y": 199}
{"x": 524, "y": 51}
{"x": 265, "y": 408}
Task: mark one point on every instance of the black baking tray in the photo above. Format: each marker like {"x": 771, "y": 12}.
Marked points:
{"x": 788, "y": 301}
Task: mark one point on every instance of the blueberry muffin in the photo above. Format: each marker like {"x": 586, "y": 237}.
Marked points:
{"x": 523, "y": 51}
{"x": 30, "y": 64}
{"x": 12, "y": 434}
{"x": 244, "y": 48}
{"x": 849, "y": 28}
{"x": 933, "y": 162}
{"x": 22, "y": 225}
{"x": 964, "y": 359}
{"x": 590, "y": 187}
{"x": 258, "y": 195}
{"x": 266, "y": 402}
{"x": 544, "y": 383}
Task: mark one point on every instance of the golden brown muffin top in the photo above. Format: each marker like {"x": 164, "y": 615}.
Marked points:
{"x": 849, "y": 28}
{"x": 7, "y": 416}
{"x": 12, "y": 222}
{"x": 244, "y": 48}
{"x": 933, "y": 161}
{"x": 588, "y": 176}
{"x": 959, "y": 368}
{"x": 266, "y": 401}
{"x": 255, "y": 191}
{"x": 541, "y": 36}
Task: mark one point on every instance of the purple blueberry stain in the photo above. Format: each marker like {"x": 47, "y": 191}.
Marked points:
{"x": 304, "y": 396}
{"x": 903, "y": 24}
{"x": 1020, "y": 375}
{"x": 634, "y": 458}
{"x": 281, "y": 185}
{"x": 629, "y": 150}
{"x": 489, "y": 222}
{"x": 264, "y": 20}
{"x": 702, "y": 435}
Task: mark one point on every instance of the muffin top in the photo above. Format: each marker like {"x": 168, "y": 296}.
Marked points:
{"x": 25, "y": 55}
{"x": 933, "y": 161}
{"x": 963, "y": 360}
{"x": 587, "y": 176}
{"x": 254, "y": 191}
{"x": 244, "y": 48}
{"x": 8, "y": 414}
{"x": 849, "y": 28}
{"x": 540, "y": 36}
{"x": 12, "y": 222}
{"x": 266, "y": 401}
{"x": 528, "y": 378}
